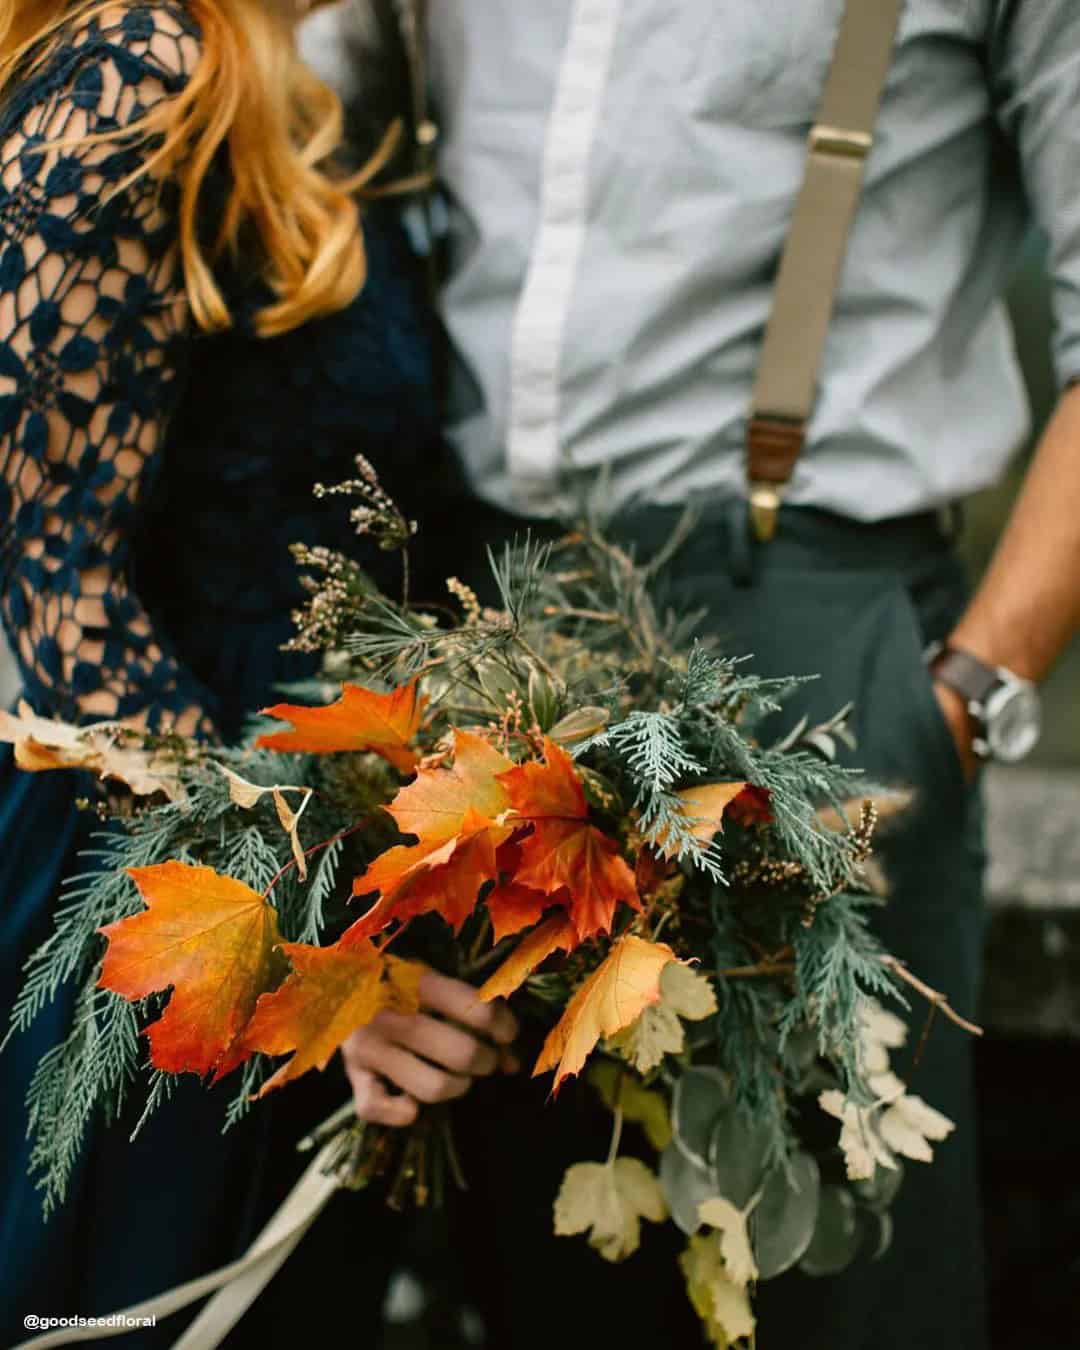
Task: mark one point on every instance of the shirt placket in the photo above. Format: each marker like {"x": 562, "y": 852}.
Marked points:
{"x": 535, "y": 452}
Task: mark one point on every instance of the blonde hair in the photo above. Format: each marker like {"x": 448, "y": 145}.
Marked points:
{"x": 250, "y": 92}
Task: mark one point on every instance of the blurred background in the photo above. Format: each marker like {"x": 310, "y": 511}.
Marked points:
{"x": 1031, "y": 1004}
{"x": 1031, "y": 998}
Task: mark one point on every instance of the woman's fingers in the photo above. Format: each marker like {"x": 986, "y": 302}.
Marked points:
{"x": 442, "y": 1043}
{"x": 370, "y": 1048}
{"x": 375, "y": 1103}
{"x": 428, "y": 1058}
{"x": 426, "y": 1082}
{"x": 461, "y": 1003}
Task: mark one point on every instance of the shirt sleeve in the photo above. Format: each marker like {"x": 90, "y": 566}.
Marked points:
{"x": 1035, "y": 64}
{"x": 92, "y": 326}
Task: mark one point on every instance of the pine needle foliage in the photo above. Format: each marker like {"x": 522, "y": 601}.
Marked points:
{"x": 583, "y": 650}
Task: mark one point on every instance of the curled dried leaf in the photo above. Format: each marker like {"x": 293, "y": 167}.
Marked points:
{"x": 107, "y": 749}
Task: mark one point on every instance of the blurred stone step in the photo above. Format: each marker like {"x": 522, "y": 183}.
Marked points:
{"x": 1032, "y": 972}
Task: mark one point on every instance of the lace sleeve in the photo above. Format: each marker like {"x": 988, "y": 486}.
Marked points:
{"x": 92, "y": 327}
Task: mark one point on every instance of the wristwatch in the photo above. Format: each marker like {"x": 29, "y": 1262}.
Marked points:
{"x": 1003, "y": 707}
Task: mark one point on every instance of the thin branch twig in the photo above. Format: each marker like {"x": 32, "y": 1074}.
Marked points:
{"x": 616, "y": 1136}
{"x": 591, "y": 615}
{"x": 315, "y": 848}
{"x": 762, "y": 968}
{"x": 939, "y": 1000}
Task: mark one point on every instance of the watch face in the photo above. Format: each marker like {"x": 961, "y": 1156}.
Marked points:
{"x": 1013, "y": 722}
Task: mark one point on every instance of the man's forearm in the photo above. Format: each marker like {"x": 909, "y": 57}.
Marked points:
{"x": 1028, "y": 606}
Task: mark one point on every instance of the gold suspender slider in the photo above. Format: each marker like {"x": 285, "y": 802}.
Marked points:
{"x": 764, "y": 510}
{"x": 827, "y": 140}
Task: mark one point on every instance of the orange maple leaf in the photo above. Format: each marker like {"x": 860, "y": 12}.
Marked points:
{"x": 215, "y": 941}
{"x": 611, "y": 998}
{"x": 753, "y": 806}
{"x": 447, "y": 881}
{"x": 361, "y": 719}
{"x": 555, "y": 933}
{"x": 564, "y": 853}
{"x": 331, "y": 992}
{"x": 435, "y": 804}
{"x": 459, "y": 817}
{"x": 513, "y": 907}
{"x": 651, "y": 871}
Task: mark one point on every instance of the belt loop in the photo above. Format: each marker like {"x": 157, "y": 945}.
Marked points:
{"x": 741, "y": 547}
{"x": 952, "y": 519}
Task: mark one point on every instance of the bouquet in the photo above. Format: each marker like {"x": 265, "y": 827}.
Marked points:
{"x": 566, "y": 799}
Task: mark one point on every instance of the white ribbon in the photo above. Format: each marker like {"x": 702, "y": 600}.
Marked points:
{"x": 237, "y": 1285}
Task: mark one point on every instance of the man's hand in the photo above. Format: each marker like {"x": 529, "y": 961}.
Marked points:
{"x": 428, "y": 1058}
{"x": 958, "y": 720}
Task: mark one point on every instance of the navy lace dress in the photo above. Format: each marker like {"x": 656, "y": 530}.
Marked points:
{"x": 150, "y": 483}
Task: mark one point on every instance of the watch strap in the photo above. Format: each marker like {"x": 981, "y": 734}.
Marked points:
{"x": 971, "y": 678}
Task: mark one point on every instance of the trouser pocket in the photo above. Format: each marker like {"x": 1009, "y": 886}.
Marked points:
{"x": 859, "y": 636}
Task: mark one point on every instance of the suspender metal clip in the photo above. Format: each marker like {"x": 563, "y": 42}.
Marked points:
{"x": 764, "y": 510}
{"x": 827, "y": 140}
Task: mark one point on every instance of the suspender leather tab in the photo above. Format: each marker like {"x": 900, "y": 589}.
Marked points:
{"x": 838, "y": 146}
{"x": 774, "y": 445}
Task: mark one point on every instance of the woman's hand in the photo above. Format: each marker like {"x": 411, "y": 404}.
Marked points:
{"x": 428, "y": 1058}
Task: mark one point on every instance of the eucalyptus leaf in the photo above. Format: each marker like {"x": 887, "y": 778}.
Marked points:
{"x": 879, "y": 1191}
{"x": 837, "y": 1235}
{"x": 878, "y": 1227}
{"x": 785, "y": 1218}
{"x": 738, "y": 1155}
{"x": 686, "y": 1187}
{"x": 701, "y": 1096}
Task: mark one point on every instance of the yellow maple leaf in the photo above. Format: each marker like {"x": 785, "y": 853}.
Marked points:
{"x": 621, "y": 1091}
{"x": 610, "y": 999}
{"x": 554, "y": 934}
{"x": 608, "y": 1201}
{"x": 721, "y": 1303}
{"x": 658, "y": 1031}
{"x": 702, "y": 809}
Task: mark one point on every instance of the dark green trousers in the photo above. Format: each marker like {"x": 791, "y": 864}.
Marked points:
{"x": 854, "y": 605}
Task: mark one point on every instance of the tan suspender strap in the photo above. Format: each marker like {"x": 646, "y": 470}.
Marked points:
{"x": 839, "y": 143}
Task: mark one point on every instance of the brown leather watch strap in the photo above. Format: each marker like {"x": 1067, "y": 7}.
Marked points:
{"x": 810, "y": 267}
{"x": 971, "y": 678}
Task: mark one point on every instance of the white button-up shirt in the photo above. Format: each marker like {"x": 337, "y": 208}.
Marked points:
{"x": 621, "y": 175}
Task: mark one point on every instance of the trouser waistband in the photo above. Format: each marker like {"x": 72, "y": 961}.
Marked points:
{"x": 805, "y": 536}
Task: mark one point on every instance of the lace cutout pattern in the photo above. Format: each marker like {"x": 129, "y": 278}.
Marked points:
{"x": 93, "y": 327}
